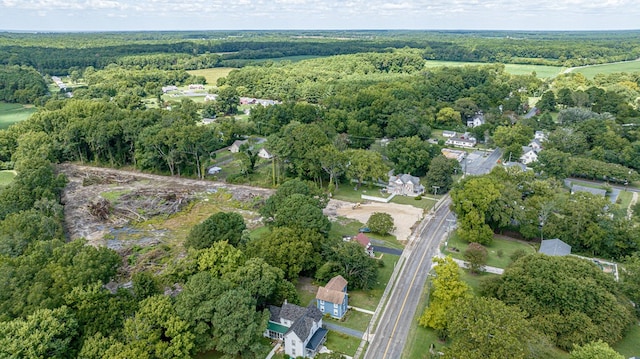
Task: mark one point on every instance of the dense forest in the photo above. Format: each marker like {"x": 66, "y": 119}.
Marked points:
{"x": 56, "y": 54}
{"x": 325, "y": 129}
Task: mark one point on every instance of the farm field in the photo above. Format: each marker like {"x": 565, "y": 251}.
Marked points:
{"x": 590, "y": 71}
{"x": 11, "y": 113}
{"x": 542, "y": 71}
{"x": 212, "y": 75}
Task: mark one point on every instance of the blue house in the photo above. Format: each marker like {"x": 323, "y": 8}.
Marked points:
{"x": 332, "y": 299}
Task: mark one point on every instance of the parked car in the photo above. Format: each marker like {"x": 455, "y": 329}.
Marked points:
{"x": 364, "y": 230}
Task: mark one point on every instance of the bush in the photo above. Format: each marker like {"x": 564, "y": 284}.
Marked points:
{"x": 418, "y": 197}
{"x": 500, "y": 253}
{"x": 517, "y": 254}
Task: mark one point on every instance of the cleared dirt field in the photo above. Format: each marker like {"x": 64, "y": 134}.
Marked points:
{"x": 404, "y": 216}
{"x": 120, "y": 209}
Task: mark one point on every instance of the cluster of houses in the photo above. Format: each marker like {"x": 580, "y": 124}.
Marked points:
{"x": 258, "y": 101}
{"x": 300, "y": 328}
{"x": 530, "y": 151}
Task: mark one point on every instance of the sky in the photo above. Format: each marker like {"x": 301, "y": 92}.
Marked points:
{"x": 132, "y": 15}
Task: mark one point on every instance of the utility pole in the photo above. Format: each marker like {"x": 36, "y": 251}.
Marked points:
{"x": 435, "y": 189}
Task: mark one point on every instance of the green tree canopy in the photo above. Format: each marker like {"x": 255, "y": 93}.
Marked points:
{"x": 221, "y": 226}
{"x": 569, "y": 299}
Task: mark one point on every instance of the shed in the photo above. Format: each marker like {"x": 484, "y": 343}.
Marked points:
{"x": 554, "y": 247}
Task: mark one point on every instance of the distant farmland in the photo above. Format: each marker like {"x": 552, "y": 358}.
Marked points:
{"x": 212, "y": 75}
{"x": 542, "y": 71}
{"x": 11, "y": 113}
{"x": 591, "y": 71}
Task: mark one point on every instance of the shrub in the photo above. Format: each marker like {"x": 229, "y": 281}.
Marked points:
{"x": 381, "y": 223}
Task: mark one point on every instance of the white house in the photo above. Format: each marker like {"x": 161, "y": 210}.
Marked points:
{"x": 264, "y": 153}
{"x": 540, "y": 136}
{"x": 535, "y": 144}
{"x": 529, "y": 155}
{"x": 299, "y": 328}
{"x": 405, "y": 184}
{"x": 235, "y": 146}
{"x": 448, "y": 134}
{"x": 462, "y": 141}
{"x": 477, "y": 120}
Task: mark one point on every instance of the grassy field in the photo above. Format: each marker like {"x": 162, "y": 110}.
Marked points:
{"x": 369, "y": 299}
{"x": 347, "y": 192}
{"x": 506, "y": 245}
{"x": 6, "y": 177}
{"x": 591, "y": 71}
{"x": 11, "y": 113}
{"x": 515, "y": 69}
{"x": 350, "y": 227}
{"x": 625, "y": 199}
{"x": 212, "y": 75}
{"x": 629, "y": 345}
{"x": 353, "y": 319}
{"x": 342, "y": 343}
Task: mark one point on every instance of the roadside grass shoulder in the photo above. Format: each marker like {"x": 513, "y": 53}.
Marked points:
{"x": 353, "y": 320}
{"x": 369, "y": 299}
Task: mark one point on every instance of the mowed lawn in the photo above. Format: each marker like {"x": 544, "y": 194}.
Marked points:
{"x": 11, "y": 113}
{"x": 501, "y": 245}
{"x": 591, "y": 71}
{"x": 541, "y": 71}
{"x": 212, "y": 75}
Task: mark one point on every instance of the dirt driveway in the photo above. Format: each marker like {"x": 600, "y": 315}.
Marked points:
{"x": 404, "y": 216}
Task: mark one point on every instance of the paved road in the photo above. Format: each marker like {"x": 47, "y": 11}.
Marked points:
{"x": 482, "y": 165}
{"x": 395, "y": 321}
{"x": 343, "y": 330}
{"x": 397, "y": 252}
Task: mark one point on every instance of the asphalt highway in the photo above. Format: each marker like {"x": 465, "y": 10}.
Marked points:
{"x": 390, "y": 335}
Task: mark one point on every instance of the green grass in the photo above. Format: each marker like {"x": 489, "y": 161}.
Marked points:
{"x": 591, "y": 71}
{"x": 212, "y": 75}
{"x": 342, "y": 343}
{"x": 349, "y": 227}
{"x": 514, "y": 69}
{"x": 369, "y": 299}
{"x": 306, "y": 291}
{"x": 11, "y": 113}
{"x": 353, "y": 319}
{"x": 474, "y": 280}
{"x": 347, "y": 192}
{"x": 625, "y": 199}
{"x": 114, "y": 196}
{"x": 508, "y": 246}
{"x": 6, "y": 177}
{"x": 420, "y": 339}
{"x": 424, "y": 203}
{"x": 629, "y": 345}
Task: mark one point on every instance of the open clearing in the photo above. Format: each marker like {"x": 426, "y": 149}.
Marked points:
{"x": 11, "y": 113}
{"x": 404, "y": 216}
{"x": 212, "y": 75}
{"x": 542, "y": 71}
{"x": 122, "y": 209}
{"x": 6, "y": 177}
{"x": 606, "y": 69}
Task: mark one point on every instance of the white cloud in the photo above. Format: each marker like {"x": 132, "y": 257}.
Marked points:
{"x": 282, "y": 14}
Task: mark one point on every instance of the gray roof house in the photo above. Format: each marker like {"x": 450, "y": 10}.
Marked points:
{"x": 405, "y": 184}
{"x": 300, "y": 329}
{"x": 554, "y": 247}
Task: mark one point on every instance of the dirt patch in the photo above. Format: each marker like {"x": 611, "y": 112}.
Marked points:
{"x": 134, "y": 197}
{"x": 404, "y": 216}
